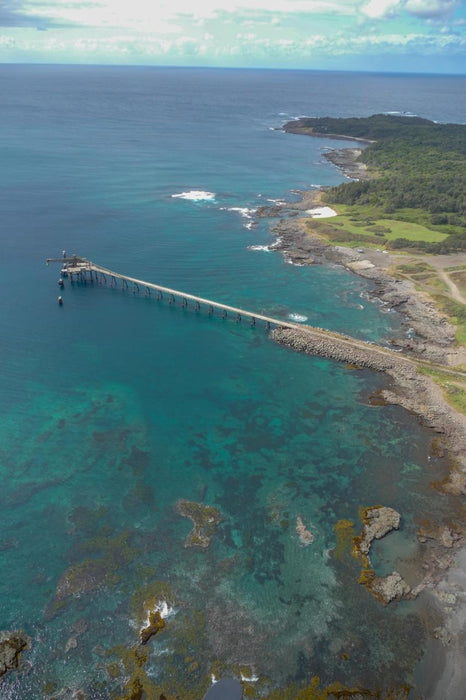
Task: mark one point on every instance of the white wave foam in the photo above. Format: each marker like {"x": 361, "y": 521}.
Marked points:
{"x": 195, "y": 196}
{"x": 278, "y": 202}
{"x": 299, "y": 318}
{"x": 289, "y": 261}
{"x": 245, "y": 213}
{"x": 249, "y": 679}
{"x": 401, "y": 114}
{"x": 259, "y": 247}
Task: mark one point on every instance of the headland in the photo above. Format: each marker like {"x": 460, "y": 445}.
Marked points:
{"x": 413, "y": 250}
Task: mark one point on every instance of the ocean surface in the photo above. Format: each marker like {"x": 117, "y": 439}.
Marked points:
{"x": 116, "y": 406}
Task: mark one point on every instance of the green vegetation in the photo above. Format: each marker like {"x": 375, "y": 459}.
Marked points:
{"x": 420, "y": 170}
{"x": 456, "y": 313}
{"x": 367, "y": 221}
{"x": 459, "y": 278}
{"x": 423, "y": 274}
{"x": 453, "y": 390}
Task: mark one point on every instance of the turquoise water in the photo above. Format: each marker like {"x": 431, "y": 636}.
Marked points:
{"x": 116, "y": 406}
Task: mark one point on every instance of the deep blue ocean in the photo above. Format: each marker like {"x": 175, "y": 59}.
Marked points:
{"x": 115, "y": 406}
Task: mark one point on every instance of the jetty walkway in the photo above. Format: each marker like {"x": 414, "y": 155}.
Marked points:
{"x": 302, "y": 337}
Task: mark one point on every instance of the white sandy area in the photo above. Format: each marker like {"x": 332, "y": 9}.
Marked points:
{"x": 321, "y": 212}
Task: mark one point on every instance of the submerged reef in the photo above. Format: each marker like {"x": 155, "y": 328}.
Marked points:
{"x": 107, "y": 556}
{"x": 11, "y": 646}
{"x": 205, "y": 520}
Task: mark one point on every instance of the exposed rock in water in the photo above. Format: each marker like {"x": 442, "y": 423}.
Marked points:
{"x": 205, "y": 520}
{"x": 305, "y": 536}
{"x": 156, "y": 624}
{"x": 385, "y": 588}
{"x": 11, "y": 646}
{"x": 378, "y": 522}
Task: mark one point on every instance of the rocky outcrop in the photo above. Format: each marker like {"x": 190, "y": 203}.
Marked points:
{"x": 11, "y": 646}
{"x": 378, "y": 522}
{"x": 385, "y": 588}
{"x": 347, "y": 160}
{"x": 156, "y": 623}
{"x": 305, "y": 536}
{"x": 442, "y": 534}
{"x": 205, "y": 520}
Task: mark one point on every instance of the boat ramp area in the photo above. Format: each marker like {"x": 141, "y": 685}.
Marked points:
{"x": 304, "y": 338}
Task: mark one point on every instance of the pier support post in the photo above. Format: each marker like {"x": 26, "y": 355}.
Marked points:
{"x": 211, "y": 310}
{"x": 253, "y": 321}
{"x": 238, "y": 318}
{"x": 224, "y": 313}
{"x": 159, "y": 294}
{"x": 171, "y": 299}
{"x": 184, "y": 302}
{"x": 197, "y": 306}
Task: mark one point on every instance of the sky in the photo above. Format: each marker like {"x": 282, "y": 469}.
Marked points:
{"x": 375, "y": 35}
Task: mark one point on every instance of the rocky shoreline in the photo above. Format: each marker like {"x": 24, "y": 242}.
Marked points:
{"x": 426, "y": 335}
{"x": 431, "y": 336}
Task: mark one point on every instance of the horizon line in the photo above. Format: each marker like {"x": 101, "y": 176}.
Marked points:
{"x": 209, "y": 67}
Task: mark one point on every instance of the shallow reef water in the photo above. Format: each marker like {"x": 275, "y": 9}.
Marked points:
{"x": 117, "y": 407}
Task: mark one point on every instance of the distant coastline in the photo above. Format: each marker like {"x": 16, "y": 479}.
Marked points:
{"x": 418, "y": 393}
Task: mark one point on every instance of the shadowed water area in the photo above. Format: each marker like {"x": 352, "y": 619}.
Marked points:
{"x": 117, "y": 406}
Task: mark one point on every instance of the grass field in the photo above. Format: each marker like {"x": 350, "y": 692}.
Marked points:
{"x": 366, "y": 223}
{"x": 356, "y": 226}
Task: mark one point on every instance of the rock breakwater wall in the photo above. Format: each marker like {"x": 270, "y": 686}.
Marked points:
{"x": 341, "y": 349}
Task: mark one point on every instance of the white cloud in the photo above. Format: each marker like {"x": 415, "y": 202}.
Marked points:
{"x": 152, "y": 14}
{"x": 423, "y": 9}
{"x": 271, "y": 31}
{"x": 380, "y": 9}
{"x": 430, "y": 8}
{"x": 248, "y": 45}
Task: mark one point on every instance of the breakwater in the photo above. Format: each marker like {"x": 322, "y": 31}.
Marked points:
{"x": 343, "y": 349}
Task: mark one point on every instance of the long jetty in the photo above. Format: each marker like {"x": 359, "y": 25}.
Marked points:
{"x": 302, "y": 337}
{"x": 82, "y": 269}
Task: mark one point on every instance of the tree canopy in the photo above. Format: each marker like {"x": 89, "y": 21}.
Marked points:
{"x": 416, "y": 164}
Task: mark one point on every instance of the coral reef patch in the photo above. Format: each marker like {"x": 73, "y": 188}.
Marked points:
{"x": 205, "y": 520}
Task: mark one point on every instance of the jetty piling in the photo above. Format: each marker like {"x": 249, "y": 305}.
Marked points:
{"x": 301, "y": 337}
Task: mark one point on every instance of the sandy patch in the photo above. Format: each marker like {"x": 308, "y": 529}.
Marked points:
{"x": 321, "y": 212}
